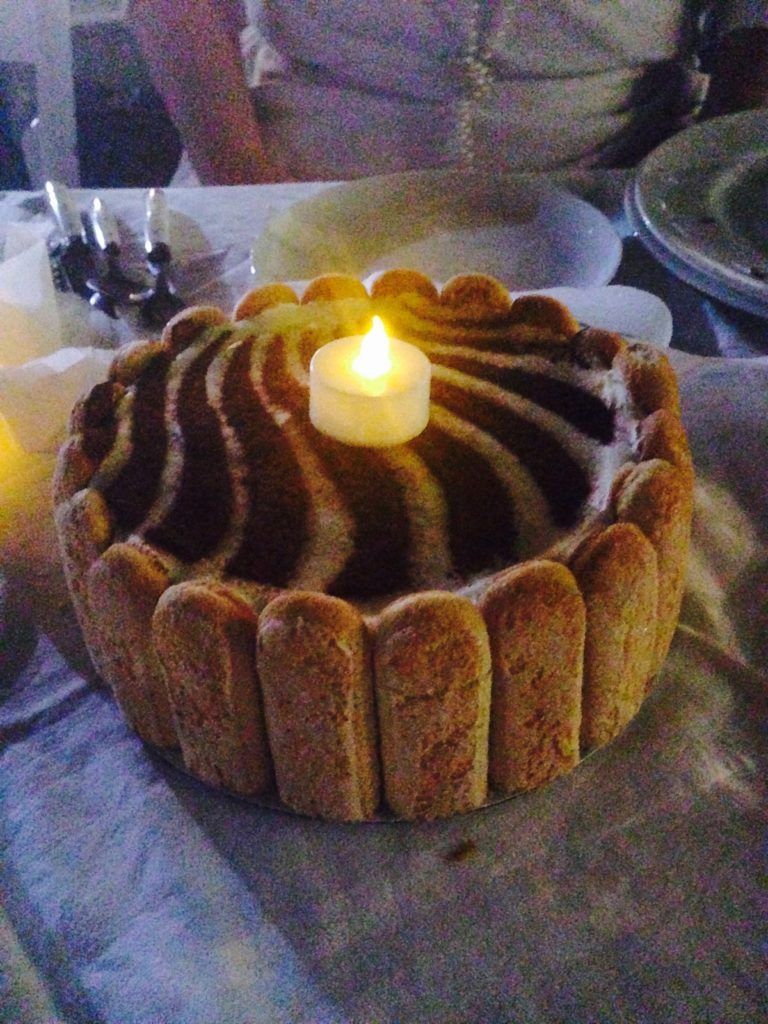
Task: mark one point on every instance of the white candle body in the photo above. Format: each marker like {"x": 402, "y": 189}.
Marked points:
{"x": 388, "y": 410}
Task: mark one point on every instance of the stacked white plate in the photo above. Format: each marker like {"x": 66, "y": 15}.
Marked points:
{"x": 518, "y": 228}
{"x": 700, "y": 204}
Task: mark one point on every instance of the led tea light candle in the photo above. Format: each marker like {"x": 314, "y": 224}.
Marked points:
{"x": 369, "y": 390}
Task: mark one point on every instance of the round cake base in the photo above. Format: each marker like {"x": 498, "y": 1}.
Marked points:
{"x": 266, "y": 802}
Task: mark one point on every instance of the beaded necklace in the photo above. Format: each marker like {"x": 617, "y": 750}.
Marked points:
{"x": 474, "y": 68}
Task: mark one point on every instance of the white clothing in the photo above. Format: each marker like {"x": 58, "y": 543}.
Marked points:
{"x": 352, "y": 87}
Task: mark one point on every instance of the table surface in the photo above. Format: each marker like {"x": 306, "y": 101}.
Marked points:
{"x": 628, "y": 890}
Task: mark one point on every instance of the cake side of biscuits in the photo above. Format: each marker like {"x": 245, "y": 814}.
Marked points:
{"x": 478, "y": 608}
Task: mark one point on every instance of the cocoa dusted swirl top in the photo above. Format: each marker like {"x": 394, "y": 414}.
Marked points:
{"x": 209, "y": 454}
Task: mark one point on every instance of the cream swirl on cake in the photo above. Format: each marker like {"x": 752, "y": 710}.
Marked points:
{"x": 214, "y": 460}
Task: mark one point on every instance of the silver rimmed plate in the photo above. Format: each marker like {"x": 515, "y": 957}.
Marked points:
{"x": 520, "y": 229}
{"x": 700, "y": 203}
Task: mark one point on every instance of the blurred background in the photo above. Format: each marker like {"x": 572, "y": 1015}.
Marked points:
{"x": 76, "y": 101}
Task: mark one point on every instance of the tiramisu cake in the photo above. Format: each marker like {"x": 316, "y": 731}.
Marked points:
{"x": 404, "y": 631}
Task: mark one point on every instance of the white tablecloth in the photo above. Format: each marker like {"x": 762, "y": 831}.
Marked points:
{"x": 627, "y": 891}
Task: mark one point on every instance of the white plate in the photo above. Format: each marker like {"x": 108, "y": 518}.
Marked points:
{"x": 706, "y": 283}
{"x": 700, "y": 203}
{"x": 521, "y": 230}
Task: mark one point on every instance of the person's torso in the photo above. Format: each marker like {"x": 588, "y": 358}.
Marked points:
{"x": 418, "y": 47}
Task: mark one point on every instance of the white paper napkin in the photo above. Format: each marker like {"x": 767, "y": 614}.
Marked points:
{"x": 36, "y": 398}
{"x": 29, "y": 315}
{"x": 43, "y": 369}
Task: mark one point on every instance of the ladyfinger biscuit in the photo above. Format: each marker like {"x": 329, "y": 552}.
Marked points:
{"x": 662, "y": 436}
{"x": 403, "y": 282}
{"x": 130, "y": 360}
{"x": 125, "y": 585}
{"x": 328, "y": 287}
{"x": 93, "y": 419}
{"x": 314, "y": 670}
{"x": 656, "y": 496}
{"x": 97, "y": 407}
{"x": 205, "y": 638}
{"x": 595, "y": 347}
{"x": 616, "y": 573}
{"x": 650, "y": 378}
{"x": 186, "y": 327}
{"x": 545, "y": 312}
{"x": 536, "y": 621}
{"x": 432, "y": 671}
{"x": 84, "y": 530}
{"x": 73, "y": 470}
{"x": 258, "y": 299}
{"x": 476, "y": 292}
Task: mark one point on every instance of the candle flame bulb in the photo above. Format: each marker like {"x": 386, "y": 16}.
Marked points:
{"x": 374, "y": 359}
